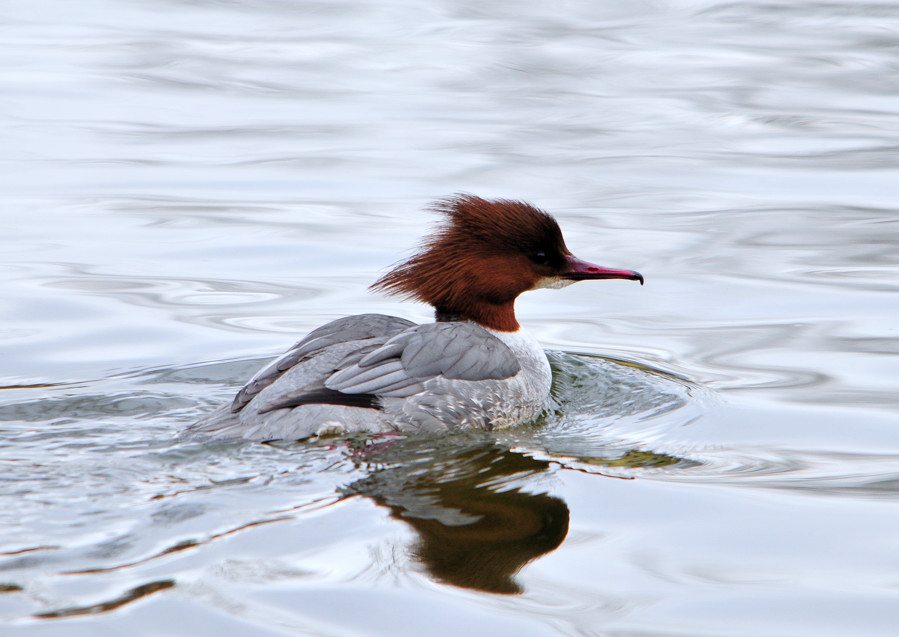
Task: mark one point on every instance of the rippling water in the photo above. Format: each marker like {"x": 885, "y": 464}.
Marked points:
{"x": 189, "y": 187}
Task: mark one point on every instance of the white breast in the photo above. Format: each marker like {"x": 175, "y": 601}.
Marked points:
{"x": 535, "y": 371}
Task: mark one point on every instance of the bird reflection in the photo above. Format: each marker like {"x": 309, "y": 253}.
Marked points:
{"x": 477, "y": 529}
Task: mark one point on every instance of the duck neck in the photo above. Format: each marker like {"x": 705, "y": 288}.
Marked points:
{"x": 495, "y": 317}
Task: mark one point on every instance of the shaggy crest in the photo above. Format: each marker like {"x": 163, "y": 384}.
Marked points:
{"x": 480, "y": 259}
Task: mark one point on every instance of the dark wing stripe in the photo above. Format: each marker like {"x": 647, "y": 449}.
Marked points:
{"x": 324, "y": 396}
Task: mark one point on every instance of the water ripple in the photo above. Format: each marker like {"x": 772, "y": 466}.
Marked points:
{"x": 125, "y": 598}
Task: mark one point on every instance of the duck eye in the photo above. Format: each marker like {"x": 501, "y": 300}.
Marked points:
{"x": 540, "y": 258}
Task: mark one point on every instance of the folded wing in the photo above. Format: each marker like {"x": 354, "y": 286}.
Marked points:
{"x": 362, "y": 327}
{"x": 401, "y": 366}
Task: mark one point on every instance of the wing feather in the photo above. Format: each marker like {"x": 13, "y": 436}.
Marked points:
{"x": 350, "y": 328}
{"x": 397, "y": 366}
{"x": 456, "y": 351}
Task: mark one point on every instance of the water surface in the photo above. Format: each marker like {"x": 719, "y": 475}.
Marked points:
{"x": 189, "y": 187}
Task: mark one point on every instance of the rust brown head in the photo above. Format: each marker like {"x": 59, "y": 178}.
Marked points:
{"x": 487, "y": 253}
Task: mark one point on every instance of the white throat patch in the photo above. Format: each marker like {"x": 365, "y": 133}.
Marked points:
{"x": 553, "y": 283}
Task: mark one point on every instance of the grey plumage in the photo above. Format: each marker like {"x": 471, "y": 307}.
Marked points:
{"x": 458, "y": 351}
{"x": 349, "y": 328}
{"x": 376, "y": 373}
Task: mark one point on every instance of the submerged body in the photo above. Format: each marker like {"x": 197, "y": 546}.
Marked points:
{"x": 473, "y": 368}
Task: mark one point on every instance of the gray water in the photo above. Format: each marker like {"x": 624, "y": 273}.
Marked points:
{"x": 189, "y": 187}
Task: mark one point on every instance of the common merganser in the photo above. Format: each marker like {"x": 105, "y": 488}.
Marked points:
{"x": 475, "y": 367}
